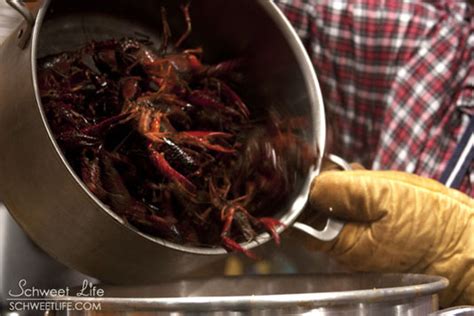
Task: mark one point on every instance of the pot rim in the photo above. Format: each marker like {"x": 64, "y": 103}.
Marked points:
{"x": 422, "y": 285}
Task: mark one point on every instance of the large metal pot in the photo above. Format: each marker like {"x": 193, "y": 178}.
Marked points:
{"x": 355, "y": 294}
{"x": 40, "y": 189}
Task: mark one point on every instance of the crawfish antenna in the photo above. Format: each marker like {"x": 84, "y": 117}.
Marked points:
{"x": 166, "y": 31}
{"x": 187, "y": 17}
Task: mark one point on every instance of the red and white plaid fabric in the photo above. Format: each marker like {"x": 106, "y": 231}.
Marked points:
{"x": 397, "y": 78}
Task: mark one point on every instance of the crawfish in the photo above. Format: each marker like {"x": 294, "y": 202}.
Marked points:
{"x": 235, "y": 212}
{"x": 101, "y": 176}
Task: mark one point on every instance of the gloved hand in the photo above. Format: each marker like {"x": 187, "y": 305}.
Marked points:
{"x": 399, "y": 222}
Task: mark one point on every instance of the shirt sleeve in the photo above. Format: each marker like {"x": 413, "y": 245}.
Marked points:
{"x": 397, "y": 78}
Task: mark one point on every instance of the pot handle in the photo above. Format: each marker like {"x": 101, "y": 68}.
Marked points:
{"x": 25, "y": 30}
{"x": 20, "y": 7}
{"x": 458, "y": 310}
{"x": 333, "y": 226}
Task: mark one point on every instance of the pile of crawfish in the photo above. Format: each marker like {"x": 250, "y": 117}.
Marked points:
{"x": 166, "y": 142}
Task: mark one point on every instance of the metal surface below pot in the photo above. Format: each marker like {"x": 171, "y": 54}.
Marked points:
{"x": 343, "y": 294}
{"x": 41, "y": 190}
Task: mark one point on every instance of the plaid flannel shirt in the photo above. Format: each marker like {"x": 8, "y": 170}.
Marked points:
{"x": 397, "y": 78}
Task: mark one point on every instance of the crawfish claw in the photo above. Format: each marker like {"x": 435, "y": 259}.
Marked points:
{"x": 232, "y": 245}
{"x": 270, "y": 225}
{"x": 169, "y": 172}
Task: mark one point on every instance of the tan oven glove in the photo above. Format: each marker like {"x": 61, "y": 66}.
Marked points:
{"x": 399, "y": 222}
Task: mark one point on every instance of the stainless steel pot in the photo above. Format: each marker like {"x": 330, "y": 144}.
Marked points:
{"x": 47, "y": 198}
{"x": 354, "y": 294}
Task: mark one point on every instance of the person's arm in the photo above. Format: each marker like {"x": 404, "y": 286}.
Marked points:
{"x": 399, "y": 222}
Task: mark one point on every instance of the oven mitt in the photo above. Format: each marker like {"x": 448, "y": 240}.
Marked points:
{"x": 399, "y": 222}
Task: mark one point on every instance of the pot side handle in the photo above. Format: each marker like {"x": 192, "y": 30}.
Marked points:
{"x": 333, "y": 226}
{"x": 20, "y": 7}
{"x": 25, "y": 8}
